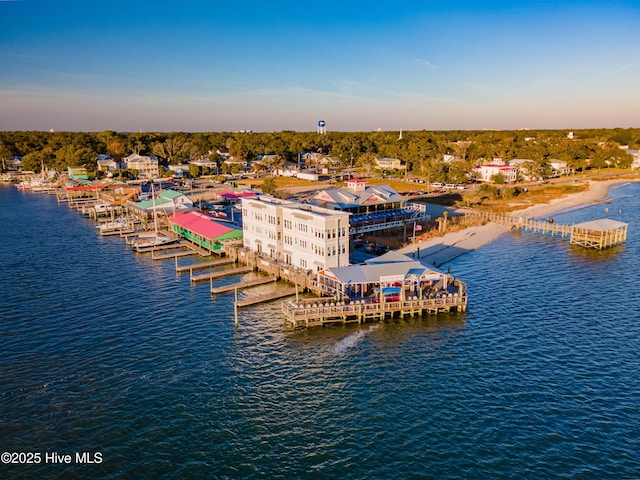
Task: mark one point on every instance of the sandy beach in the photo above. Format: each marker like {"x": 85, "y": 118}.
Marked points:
{"x": 440, "y": 250}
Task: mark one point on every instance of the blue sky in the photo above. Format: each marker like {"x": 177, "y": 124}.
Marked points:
{"x": 269, "y": 66}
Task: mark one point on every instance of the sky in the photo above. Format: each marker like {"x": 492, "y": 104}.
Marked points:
{"x": 208, "y": 65}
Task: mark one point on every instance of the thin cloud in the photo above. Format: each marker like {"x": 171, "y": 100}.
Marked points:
{"x": 427, "y": 63}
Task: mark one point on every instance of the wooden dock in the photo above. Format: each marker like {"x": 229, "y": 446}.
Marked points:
{"x": 322, "y": 311}
{"x": 167, "y": 256}
{"x": 220, "y": 274}
{"x": 267, "y": 297}
{"x": 203, "y": 265}
{"x": 117, "y": 231}
{"x": 241, "y": 285}
{"x": 159, "y": 248}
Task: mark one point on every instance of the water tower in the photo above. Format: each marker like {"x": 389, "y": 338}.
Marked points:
{"x": 322, "y": 127}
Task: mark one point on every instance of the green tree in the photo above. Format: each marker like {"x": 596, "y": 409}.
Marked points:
{"x": 5, "y": 156}
{"x": 269, "y": 186}
{"x": 194, "y": 170}
{"x": 498, "y": 179}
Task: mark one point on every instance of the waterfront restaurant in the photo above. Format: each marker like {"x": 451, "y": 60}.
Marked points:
{"x": 371, "y": 208}
{"x": 393, "y": 275}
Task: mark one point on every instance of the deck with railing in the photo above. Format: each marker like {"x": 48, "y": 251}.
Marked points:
{"x": 304, "y": 313}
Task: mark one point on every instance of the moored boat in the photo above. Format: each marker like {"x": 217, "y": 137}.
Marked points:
{"x": 148, "y": 240}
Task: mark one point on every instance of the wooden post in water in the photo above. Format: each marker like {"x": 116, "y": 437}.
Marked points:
{"x": 235, "y": 307}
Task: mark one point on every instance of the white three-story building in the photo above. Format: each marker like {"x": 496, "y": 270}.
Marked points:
{"x": 297, "y": 234}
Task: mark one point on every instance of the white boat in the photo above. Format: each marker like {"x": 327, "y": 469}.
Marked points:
{"x": 102, "y": 208}
{"x": 148, "y": 240}
{"x": 115, "y": 224}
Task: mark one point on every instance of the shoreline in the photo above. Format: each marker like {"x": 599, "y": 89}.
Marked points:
{"x": 438, "y": 251}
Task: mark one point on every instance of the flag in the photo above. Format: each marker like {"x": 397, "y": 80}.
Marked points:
{"x": 417, "y": 228}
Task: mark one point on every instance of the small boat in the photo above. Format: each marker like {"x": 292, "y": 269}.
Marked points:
{"x": 102, "y": 208}
{"x": 149, "y": 240}
{"x": 115, "y": 224}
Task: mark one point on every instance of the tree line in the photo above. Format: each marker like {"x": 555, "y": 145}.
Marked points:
{"x": 422, "y": 151}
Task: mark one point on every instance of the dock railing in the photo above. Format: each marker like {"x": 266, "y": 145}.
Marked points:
{"x": 319, "y": 311}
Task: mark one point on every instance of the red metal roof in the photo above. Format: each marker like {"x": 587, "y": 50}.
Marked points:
{"x": 201, "y": 224}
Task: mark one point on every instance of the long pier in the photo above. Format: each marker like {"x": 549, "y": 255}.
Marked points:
{"x": 596, "y": 234}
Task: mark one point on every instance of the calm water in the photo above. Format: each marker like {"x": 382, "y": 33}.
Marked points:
{"x": 103, "y": 350}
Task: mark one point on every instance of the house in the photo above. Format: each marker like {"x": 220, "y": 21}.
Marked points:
{"x": 107, "y": 164}
{"x": 206, "y": 166}
{"x": 301, "y": 235}
{"x": 144, "y": 166}
{"x": 179, "y": 171}
{"x": 317, "y": 159}
{"x": 635, "y": 164}
{"x": 223, "y": 152}
{"x": 237, "y": 164}
{"x": 450, "y": 158}
{"x": 559, "y": 167}
{"x": 526, "y": 168}
{"x": 388, "y": 163}
{"x": 486, "y": 173}
{"x": 77, "y": 173}
{"x": 203, "y": 230}
{"x": 372, "y": 208}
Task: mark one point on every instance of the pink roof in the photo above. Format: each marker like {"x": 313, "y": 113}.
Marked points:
{"x": 200, "y": 223}
{"x": 227, "y": 194}
{"x": 356, "y": 180}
